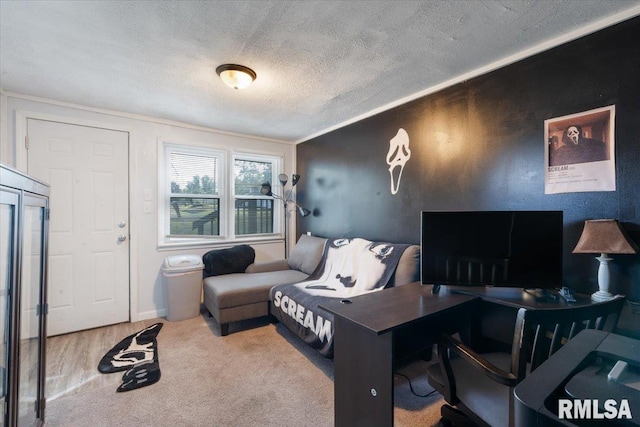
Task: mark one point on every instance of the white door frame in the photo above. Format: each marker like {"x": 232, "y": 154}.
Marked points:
{"x": 21, "y": 164}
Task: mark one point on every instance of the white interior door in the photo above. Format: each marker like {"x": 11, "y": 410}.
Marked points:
{"x": 87, "y": 170}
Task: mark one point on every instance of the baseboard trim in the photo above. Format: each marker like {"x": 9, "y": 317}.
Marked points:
{"x": 153, "y": 314}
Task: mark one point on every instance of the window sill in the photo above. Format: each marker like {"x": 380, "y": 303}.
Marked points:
{"x": 192, "y": 244}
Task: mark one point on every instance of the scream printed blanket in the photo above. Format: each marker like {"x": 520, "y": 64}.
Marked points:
{"x": 349, "y": 267}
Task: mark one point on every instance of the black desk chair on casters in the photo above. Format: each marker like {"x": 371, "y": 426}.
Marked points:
{"x": 480, "y": 386}
{"x": 481, "y": 271}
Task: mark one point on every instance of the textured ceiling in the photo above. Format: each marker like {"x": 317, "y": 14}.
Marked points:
{"x": 320, "y": 64}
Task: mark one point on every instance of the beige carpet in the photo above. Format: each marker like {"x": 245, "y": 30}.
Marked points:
{"x": 259, "y": 375}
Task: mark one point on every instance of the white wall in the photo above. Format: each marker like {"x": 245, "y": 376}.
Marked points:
{"x": 146, "y": 259}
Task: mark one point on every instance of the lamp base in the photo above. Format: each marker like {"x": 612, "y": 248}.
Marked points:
{"x": 600, "y": 296}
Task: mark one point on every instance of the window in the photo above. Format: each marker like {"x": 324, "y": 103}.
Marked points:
{"x": 195, "y": 206}
{"x": 254, "y": 212}
{"x": 198, "y": 204}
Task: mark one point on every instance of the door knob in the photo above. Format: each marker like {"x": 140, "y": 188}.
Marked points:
{"x": 122, "y": 238}
{"x": 122, "y": 224}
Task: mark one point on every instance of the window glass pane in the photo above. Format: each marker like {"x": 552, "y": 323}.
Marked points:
{"x": 193, "y": 174}
{"x": 249, "y": 175}
{"x": 31, "y": 276}
{"x": 254, "y": 216}
{"x": 194, "y": 216}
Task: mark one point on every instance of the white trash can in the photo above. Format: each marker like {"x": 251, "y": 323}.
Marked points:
{"x": 182, "y": 286}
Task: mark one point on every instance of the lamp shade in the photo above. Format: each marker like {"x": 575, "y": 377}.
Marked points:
{"x": 604, "y": 236}
{"x": 236, "y": 76}
{"x": 304, "y": 211}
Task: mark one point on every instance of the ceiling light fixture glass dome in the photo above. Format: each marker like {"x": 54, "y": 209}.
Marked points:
{"x": 236, "y": 76}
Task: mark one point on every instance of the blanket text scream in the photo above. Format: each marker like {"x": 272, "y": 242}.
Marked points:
{"x": 321, "y": 327}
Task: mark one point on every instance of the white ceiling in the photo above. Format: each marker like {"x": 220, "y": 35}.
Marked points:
{"x": 320, "y": 64}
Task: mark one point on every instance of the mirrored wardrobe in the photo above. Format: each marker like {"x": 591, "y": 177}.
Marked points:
{"x": 24, "y": 220}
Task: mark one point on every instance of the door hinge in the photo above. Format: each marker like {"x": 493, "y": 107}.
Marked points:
{"x": 47, "y": 214}
{"x": 26, "y": 142}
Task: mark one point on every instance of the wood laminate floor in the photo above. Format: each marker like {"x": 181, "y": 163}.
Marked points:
{"x": 72, "y": 359}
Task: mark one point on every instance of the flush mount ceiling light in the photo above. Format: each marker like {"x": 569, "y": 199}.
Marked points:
{"x": 236, "y": 76}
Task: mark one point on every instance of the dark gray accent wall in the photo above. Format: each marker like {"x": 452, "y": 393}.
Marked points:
{"x": 479, "y": 145}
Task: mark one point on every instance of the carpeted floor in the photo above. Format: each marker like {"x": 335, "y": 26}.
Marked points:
{"x": 259, "y": 375}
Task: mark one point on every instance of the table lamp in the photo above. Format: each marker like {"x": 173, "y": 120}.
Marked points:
{"x": 604, "y": 236}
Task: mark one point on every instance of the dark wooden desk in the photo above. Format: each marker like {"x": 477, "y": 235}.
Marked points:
{"x": 584, "y": 360}
{"x": 373, "y": 331}
{"x": 366, "y": 341}
{"x": 518, "y": 297}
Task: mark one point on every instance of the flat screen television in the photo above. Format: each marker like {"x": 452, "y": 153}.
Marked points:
{"x": 497, "y": 248}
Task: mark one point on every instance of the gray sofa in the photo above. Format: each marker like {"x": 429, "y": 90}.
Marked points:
{"x": 240, "y": 296}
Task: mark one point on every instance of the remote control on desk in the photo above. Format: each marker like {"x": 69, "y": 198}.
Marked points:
{"x": 567, "y": 294}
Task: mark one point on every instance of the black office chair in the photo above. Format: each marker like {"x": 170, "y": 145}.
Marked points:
{"x": 479, "y": 271}
{"x": 480, "y": 386}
